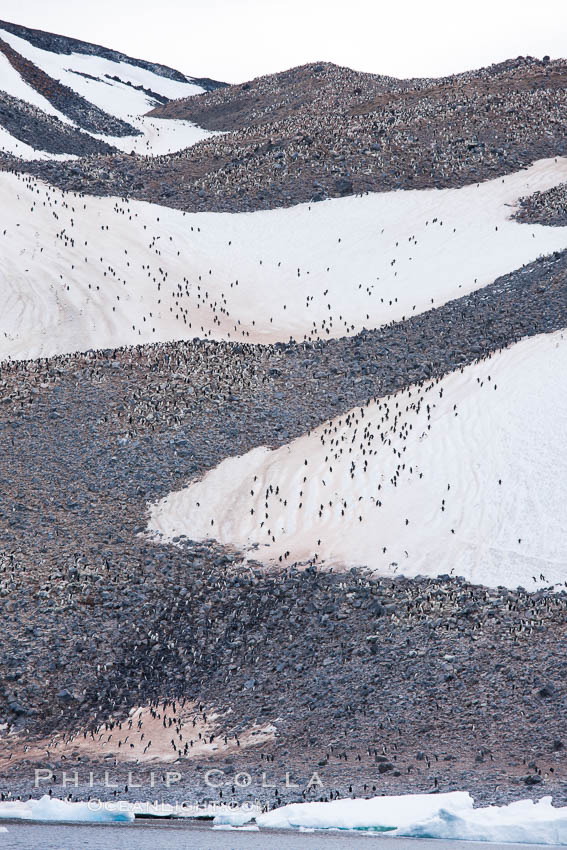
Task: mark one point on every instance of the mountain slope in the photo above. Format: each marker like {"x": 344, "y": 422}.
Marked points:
{"x": 93, "y": 89}
{"x": 322, "y": 131}
{"x": 415, "y": 424}
{"x": 64, "y": 45}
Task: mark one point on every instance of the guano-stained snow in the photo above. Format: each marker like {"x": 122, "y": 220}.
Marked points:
{"x": 86, "y": 272}
{"x": 464, "y": 476}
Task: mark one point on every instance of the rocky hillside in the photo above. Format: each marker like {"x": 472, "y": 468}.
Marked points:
{"x": 281, "y": 426}
{"x": 323, "y": 131}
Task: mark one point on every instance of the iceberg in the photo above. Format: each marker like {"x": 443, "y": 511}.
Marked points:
{"x": 379, "y": 814}
{"x": 62, "y": 811}
{"x": 450, "y": 816}
{"x": 445, "y": 816}
{"x": 247, "y": 828}
{"x": 523, "y": 822}
{"x": 236, "y": 816}
{"x": 51, "y": 809}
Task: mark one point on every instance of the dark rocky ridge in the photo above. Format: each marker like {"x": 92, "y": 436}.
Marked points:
{"x": 45, "y": 132}
{"x": 277, "y": 96}
{"x": 64, "y": 45}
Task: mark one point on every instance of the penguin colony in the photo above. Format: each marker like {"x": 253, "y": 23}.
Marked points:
{"x": 379, "y": 683}
{"x": 91, "y": 590}
{"x": 317, "y": 656}
{"x": 325, "y": 131}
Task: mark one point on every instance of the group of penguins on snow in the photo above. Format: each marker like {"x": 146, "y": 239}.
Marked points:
{"x": 91, "y": 283}
{"x": 183, "y": 299}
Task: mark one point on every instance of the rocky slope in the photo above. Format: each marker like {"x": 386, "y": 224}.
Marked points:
{"x": 323, "y": 131}
{"x": 373, "y": 682}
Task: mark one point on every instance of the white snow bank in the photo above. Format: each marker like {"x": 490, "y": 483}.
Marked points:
{"x": 51, "y": 809}
{"x": 377, "y": 813}
{"x": 448, "y": 816}
{"x": 158, "y": 136}
{"x": 466, "y": 476}
{"x": 78, "y": 273}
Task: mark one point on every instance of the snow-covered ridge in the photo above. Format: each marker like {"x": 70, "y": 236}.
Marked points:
{"x": 109, "y": 81}
{"x": 62, "y": 44}
{"x": 466, "y": 476}
{"x": 78, "y": 273}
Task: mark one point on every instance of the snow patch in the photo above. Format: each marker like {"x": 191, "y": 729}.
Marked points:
{"x": 465, "y": 476}
{"x": 78, "y": 273}
{"x": 158, "y": 136}
{"x": 195, "y": 737}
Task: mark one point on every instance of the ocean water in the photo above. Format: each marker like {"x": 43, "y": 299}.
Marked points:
{"x": 172, "y": 835}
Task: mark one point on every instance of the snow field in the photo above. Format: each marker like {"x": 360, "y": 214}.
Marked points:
{"x": 85, "y": 272}
{"x": 462, "y": 476}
